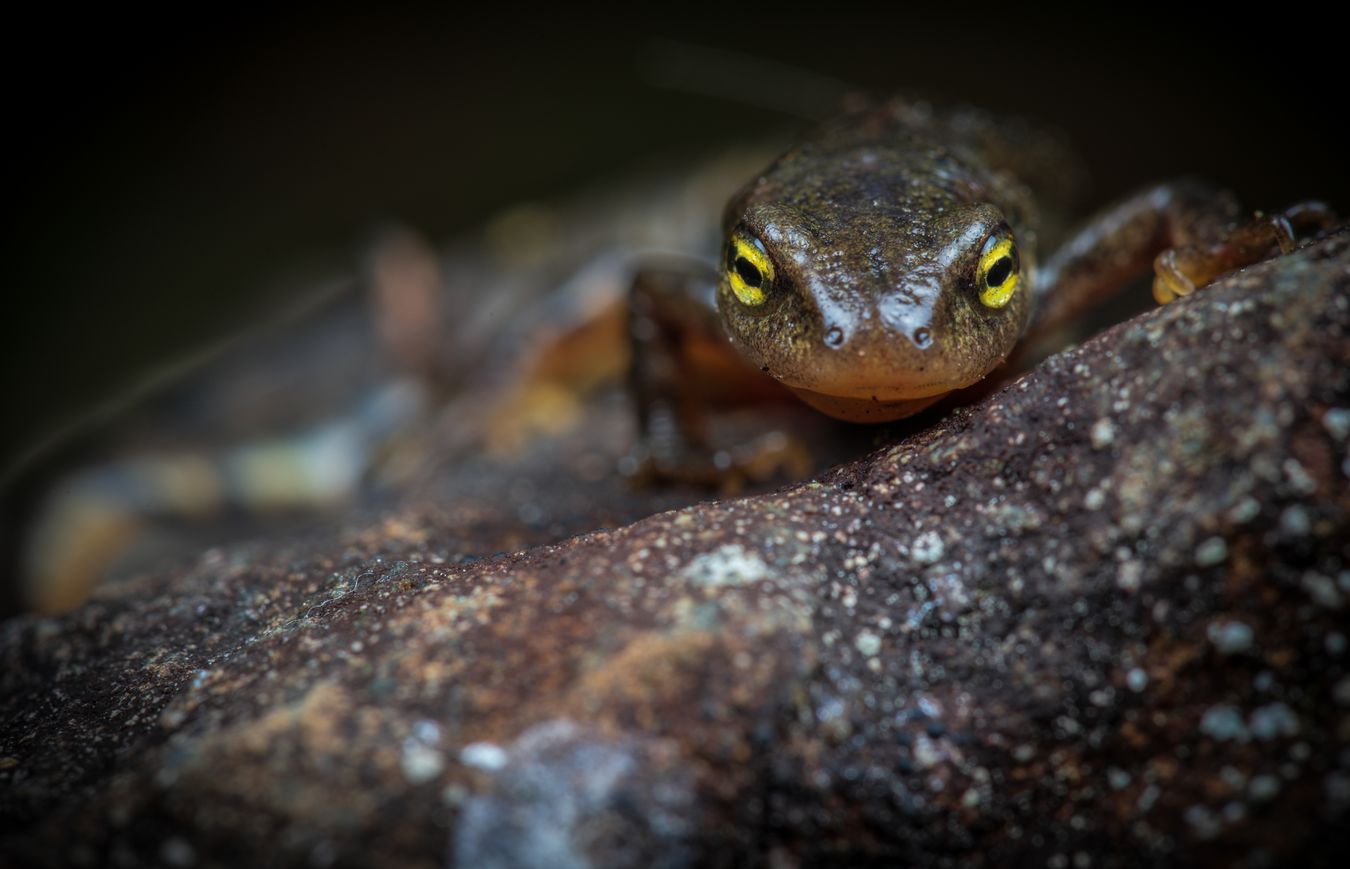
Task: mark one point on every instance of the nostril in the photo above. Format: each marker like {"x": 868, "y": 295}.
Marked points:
{"x": 834, "y": 336}
{"x": 922, "y": 337}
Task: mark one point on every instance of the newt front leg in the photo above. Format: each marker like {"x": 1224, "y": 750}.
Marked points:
{"x": 682, "y": 367}
{"x": 1189, "y": 231}
{"x": 1180, "y": 270}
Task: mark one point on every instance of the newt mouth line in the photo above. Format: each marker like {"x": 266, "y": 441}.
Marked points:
{"x": 882, "y": 394}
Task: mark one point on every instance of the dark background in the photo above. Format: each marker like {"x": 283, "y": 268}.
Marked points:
{"x": 165, "y": 176}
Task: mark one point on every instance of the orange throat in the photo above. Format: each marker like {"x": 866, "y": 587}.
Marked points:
{"x": 852, "y": 409}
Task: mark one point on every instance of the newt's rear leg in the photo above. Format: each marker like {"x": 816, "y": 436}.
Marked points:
{"x": 682, "y": 366}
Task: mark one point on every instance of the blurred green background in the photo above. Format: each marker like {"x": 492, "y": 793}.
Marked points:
{"x": 162, "y": 187}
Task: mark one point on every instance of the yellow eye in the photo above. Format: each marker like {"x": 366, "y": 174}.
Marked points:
{"x": 749, "y": 269}
{"x": 1000, "y": 271}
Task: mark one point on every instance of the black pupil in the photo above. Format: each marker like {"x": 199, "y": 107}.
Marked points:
{"x": 748, "y": 272}
{"x": 999, "y": 271}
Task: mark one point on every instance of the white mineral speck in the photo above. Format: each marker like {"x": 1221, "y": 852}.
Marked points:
{"x": 1203, "y": 822}
{"x": 1322, "y": 590}
{"x": 928, "y": 548}
{"x": 1245, "y": 510}
{"x": 1299, "y": 477}
{"x": 483, "y": 755}
{"x": 427, "y": 731}
{"x": 868, "y": 643}
{"x": 1129, "y": 574}
{"x": 1223, "y": 723}
{"x": 729, "y": 565}
{"x": 1213, "y": 551}
{"x": 1230, "y": 638}
{"x": 926, "y": 752}
{"x": 1103, "y": 433}
{"x": 1272, "y": 721}
{"x": 1337, "y": 422}
{"x": 454, "y": 794}
{"x": 1094, "y": 499}
{"x": 1136, "y": 680}
{"x": 420, "y": 762}
{"x": 1295, "y": 521}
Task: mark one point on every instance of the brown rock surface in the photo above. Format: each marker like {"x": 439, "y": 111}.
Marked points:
{"x": 1097, "y": 619}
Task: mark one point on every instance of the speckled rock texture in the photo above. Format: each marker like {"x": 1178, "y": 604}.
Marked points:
{"x": 1098, "y": 619}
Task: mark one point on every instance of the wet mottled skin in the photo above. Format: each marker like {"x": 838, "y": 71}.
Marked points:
{"x": 875, "y": 228}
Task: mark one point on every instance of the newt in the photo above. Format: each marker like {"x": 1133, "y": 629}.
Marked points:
{"x": 890, "y": 259}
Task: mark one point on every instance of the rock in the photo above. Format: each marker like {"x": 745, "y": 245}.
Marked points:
{"x": 1011, "y": 637}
